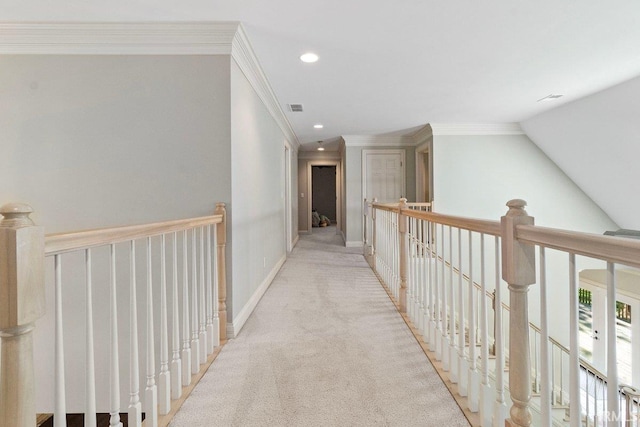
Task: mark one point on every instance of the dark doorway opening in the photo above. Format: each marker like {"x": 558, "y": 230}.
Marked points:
{"x": 323, "y": 189}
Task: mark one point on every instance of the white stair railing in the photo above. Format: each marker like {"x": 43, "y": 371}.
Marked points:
{"x": 23, "y": 251}
{"x": 451, "y": 312}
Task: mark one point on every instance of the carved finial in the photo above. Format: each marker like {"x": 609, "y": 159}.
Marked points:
{"x": 16, "y": 215}
{"x": 516, "y": 207}
{"x": 220, "y": 205}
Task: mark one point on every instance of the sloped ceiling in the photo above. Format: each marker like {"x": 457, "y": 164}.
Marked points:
{"x": 596, "y": 142}
{"x": 390, "y": 67}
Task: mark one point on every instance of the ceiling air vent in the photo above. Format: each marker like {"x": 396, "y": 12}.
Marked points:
{"x": 295, "y": 108}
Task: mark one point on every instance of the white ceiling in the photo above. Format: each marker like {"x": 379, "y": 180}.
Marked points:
{"x": 386, "y": 67}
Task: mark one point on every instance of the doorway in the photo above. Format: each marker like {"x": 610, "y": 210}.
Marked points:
{"x": 383, "y": 176}
{"x": 328, "y": 185}
{"x": 323, "y": 192}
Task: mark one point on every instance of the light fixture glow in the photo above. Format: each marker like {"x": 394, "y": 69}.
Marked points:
{"x": 318, "y": 126}
{"x": 320, "y": 148}
{"x": 309, "y": 57}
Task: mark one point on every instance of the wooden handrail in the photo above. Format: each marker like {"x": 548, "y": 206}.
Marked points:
{"x": 66, "y": 242}
{"x": 608, "y": 248}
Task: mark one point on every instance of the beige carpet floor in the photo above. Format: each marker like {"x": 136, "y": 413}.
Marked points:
{"x": 324, "y": 347}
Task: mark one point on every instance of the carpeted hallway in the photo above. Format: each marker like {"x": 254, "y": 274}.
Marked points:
{"x": 324, "y": 347}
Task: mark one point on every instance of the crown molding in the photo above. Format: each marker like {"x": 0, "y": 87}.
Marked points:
{"x": 146, "y": 38}
{"x": 476, "y": 129}
{"x": 242, "y": 52}
{"x": 422, "y": 135}
{"x": 377, "y": 141}
{"x": 117, "y": 38}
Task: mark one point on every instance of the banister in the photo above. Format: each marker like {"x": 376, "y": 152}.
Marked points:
{"x": 66, "y": 242}
{"x": 608, "y": 248}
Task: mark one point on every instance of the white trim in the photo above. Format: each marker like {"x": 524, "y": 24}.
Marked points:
{"x": 377, "y": 141}
{"x": 354, "y": 244}
{"x": 422, "y": 135}
{"x": 295, "y": 240}
{"x": 247, "y": 61}
{"x": 246, "y": 311}
{"x": 476, "y": 129}
{"x": 117, "y": 38}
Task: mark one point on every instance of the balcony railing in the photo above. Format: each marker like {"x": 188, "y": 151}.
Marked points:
{"x": 449, "y": 273}
{"x": 183, "y": 261}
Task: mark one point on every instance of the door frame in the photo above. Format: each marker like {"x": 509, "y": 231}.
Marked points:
{"x": 422, "y": 151}
{"x": 374, "y": 151}
{"x": 310, "y": 165}
{"x": 288, "y": 208}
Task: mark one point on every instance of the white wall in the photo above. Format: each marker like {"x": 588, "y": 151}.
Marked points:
{"x": 595, "y": 141}
{"x": 95, "y": 141}
{"x": 474, "y": 176}
{"x": 257, "y": 214}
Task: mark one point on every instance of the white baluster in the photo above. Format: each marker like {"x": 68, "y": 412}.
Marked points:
{"x": 545, "y": 375}
{"x": 201, "y": 311}
{"x": 445, "y": 312}
{"x": 613, "y": 402}
{"x": 486, "y": 393}
{"x": 433, "y": 339}
{"x": 195, "y": 342}
{"x": 90, "y": 398}
{"x": 453, "y": 354}
{"x": 164, "y": 377}
{"x": 210, "y": 332}
{"x": 574, "y": 356}
{"x": 500, "y": 406}
{"x": 463, "y": 363}
{"x": 60, "y": 413}
{"x": 176, "y": 363}
{"x": 114, "y": 360}
{"x": 135, "y": 407}
{"x": 474, "y": 380}
{"x": 438, "y": 297}
{"x": 424, "y": 280}
{"x": 216, "y": 317}
{"x": 151, "y": 390}
{"x": 186, "y": 335}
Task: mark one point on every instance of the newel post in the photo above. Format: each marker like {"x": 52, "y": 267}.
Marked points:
{"x": 22, "y": 302}
{"x": 518, "y": 270}
{"x": 402, "y": 229}
{"x": 221, "y": 232}
{"x": 373, "y": 231}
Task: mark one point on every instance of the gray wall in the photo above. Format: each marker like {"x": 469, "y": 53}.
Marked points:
{"x": 96, "y": 141}
{"x": 474, "y": 176}
{"x": 257, "y": 220}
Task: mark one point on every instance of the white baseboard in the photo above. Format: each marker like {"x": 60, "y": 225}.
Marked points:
{"x": 234, "y": 328}
{"x": 295, "y": 241}
{"x": 354, "y": 244}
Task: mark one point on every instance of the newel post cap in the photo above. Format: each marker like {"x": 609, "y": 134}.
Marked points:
{"x": 16, "y": 215}
{"x": 516, "y": 207}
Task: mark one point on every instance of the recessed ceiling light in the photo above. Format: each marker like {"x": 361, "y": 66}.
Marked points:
{"x": 318, "y": 126}
{"x": 309, "y": 57}
{"x": 320, "y": 148}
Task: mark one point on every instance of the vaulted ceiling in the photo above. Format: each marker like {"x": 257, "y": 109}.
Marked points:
{"x": 390, "y": 67}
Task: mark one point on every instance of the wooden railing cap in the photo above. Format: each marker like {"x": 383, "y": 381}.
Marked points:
{"x": 516, "y": 207}
{"x": 16, "y": 215}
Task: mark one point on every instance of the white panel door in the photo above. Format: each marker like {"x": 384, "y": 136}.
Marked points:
{"x": 384, "y": 176}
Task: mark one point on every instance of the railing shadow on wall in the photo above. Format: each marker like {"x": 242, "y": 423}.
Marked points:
{"x": 446, "y": 275}
{"x": 183, "y": 261}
